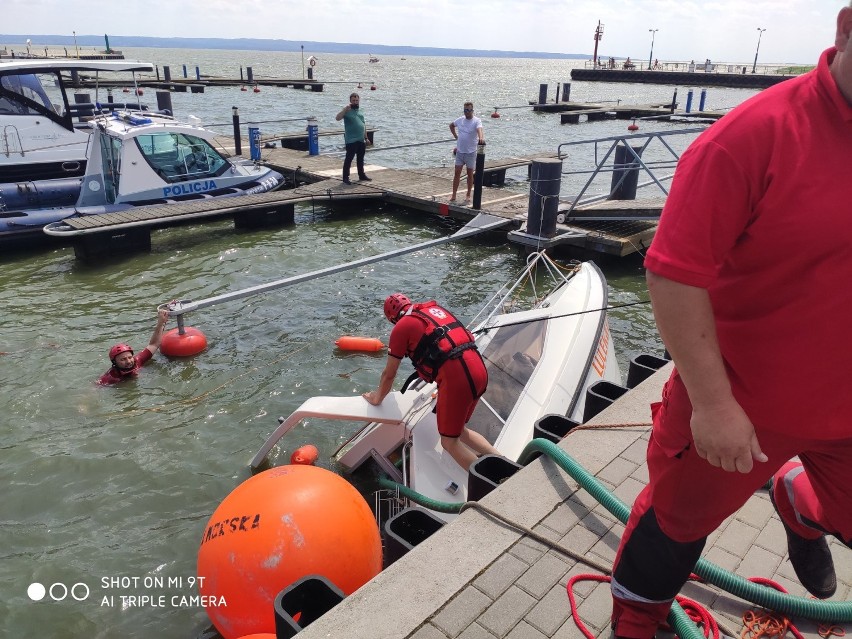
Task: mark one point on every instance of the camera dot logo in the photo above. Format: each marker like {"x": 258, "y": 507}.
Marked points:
{"x": 36, "y": 591}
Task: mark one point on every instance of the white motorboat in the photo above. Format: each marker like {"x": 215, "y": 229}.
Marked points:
{"x": 540, "y": 361}
{"x": 138, "y": 159}
{"x": 42, "y": 136}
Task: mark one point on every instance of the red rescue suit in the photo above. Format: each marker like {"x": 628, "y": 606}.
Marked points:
{"x": 442, "y": 350}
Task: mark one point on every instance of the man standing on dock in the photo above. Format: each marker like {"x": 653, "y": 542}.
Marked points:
{"x": 468, "y": 131}
{"x": 355, "y": 136}
{"x": 748, "y": 275}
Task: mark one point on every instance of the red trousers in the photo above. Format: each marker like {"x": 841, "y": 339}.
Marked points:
{"x": 686, "y": 499}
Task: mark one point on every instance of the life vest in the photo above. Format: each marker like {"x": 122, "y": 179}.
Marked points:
{"x": 444, "y": 338}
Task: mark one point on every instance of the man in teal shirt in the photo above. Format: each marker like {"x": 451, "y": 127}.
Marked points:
{"x": 355, "y": 136}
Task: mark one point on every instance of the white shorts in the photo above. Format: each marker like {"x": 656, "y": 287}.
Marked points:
{"x": 467, "y": 159}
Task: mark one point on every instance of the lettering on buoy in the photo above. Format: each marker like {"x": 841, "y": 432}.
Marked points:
{"x": 350, "y": 343}
{"x": 175, "y": 344}
{"x": 310, "y": 521}
{"x": 306, "y": 455}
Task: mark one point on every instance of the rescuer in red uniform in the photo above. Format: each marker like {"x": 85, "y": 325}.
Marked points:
{"x": 442, "y": 350}
{"x": 124, "y": 363}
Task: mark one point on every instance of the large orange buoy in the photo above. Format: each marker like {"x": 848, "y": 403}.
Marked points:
{"x": 350, "y": 343}
{"x": 306, "y": 455}
{"x": 190, "y": 342}
{"x": 276, "y": 528}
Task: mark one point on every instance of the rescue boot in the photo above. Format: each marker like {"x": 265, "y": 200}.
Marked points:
{"x": 811, "y": 558}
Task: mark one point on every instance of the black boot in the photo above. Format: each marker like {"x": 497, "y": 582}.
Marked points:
{"x": 811, "y": 559}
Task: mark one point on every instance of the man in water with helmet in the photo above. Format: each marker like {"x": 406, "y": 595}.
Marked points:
{"x": 124, "y": 363}
{"x": 442, "y": 350}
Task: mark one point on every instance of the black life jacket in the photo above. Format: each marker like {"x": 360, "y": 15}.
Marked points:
{"x": 444, "y": 338}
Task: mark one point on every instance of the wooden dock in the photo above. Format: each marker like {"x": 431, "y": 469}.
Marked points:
{"x": 197, "y": 85}
{"x": 609, "y": 228}
{"x": 737, "y": 80}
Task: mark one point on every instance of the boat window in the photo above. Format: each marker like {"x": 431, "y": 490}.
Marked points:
{"x": 111, "y": 156}
{"x": 178, "y": 157}
{"x": 33, "y": 94}
{"x": 510, "y": 357}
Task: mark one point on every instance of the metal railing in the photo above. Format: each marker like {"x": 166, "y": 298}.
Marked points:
{"x": 633, "y": 161}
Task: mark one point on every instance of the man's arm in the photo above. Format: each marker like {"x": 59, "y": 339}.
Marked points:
{"x": 723, "y": 433}
{"x": 453, "y": 130}
{"x": 480, "y": 133}
{"x": 385, "y": 382}
{"x": 157, "y": 336}
{"x": 342, "y": 113}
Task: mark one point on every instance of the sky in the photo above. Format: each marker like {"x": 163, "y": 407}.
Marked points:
{"x": 722, "y": 30}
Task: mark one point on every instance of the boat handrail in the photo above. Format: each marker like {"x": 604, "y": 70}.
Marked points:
{"x": 8, "y": 151}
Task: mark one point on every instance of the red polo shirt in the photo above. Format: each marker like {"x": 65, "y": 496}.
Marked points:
{"x": 114, "y": 375}
{"x": 760, "y": 215}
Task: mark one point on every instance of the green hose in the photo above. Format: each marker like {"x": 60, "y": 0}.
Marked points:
{"x": 816, "y": 610}
{"x": 789, "y": 605}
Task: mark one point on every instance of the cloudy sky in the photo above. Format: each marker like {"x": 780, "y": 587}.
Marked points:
{"x": 724, "y": 30}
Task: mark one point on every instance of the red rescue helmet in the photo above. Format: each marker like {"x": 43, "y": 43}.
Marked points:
{"x": 394, "y": 305}
{"x": 117, "y": 350}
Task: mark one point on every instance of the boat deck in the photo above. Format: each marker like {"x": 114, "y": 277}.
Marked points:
{"x": 476, "y": 578}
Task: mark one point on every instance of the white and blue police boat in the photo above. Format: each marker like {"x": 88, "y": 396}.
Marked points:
{"x": 134, "y": 158}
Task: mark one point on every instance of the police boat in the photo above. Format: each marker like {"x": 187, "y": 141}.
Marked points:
{"x": 540, "y": 362}
{"x": 134, "y": 159}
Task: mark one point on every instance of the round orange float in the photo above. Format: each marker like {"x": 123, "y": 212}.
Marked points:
{"x": 495, "y": 114}
{"x": 177, "y": 344}
{"x": 351, "y": 343}
{"x": 276, "y": 528}
{"x": 306, "y": 455}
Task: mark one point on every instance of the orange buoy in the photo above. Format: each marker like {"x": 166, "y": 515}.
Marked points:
{"x": 175, "y": 344}
{"x": 125, "y": 90}
{"x": 633, "y": 127}
{"x": 373, "y": 87}
{"x": 495, "y": 114}
{"x": 260, "y": 635}
{"x": 350, "y": 343}
{"x": 276, "y": 528}
{"x": 256, "y": 89}
{"x": 305, "y": 455}
{"x": 243, "y": 89}
{"x": 359, "y": 86}
{"x": 140, "y": 92}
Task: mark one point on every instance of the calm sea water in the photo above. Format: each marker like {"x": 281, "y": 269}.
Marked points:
{"x": 118, "y": 483}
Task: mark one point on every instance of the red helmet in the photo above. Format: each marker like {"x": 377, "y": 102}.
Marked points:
{"x": 118, "y": 349}
{"x": 394, "y": 305}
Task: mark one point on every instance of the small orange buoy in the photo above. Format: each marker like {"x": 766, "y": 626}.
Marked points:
{"x": 633, "y": 127}
{"x": 256, "y": 89}
{"x": 495, "y": 114}
{"x": 125, "y": 90}
{"x": 243, "y": 89}
{"x": 350, "y": 343}
{"x": 175, "y": 344}
{"x": 140, "y": 92}
{"x": 305, "y": 455}
{"x": 373, "y": 87}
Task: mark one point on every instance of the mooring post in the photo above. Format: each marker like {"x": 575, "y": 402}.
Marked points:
{"x": 625, "y": 173}
{"x": 241, "y": 73}
{"x": 197, "y": 73}
{"x": 237, "y": 142}
{"x": 184, "y": 71}
{"x": 542, "y": 94}
{"x": 157, "y": 67}
{"x": 566, "y": 91}
{"x": 479, "y": 175}
{"x": 313, "y": 135}
{"x": 164, "y": 102}
{"x": 702, "y": 99}
{"x": 545, "y": 183}
{"x": 249, "y": 74}
{"x": 167, "y": 73}
{"x": 689, "y": 101}
{"x": 674, "y": 100}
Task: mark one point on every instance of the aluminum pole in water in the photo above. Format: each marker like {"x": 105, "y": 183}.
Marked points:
{"x": 480, "y": 224}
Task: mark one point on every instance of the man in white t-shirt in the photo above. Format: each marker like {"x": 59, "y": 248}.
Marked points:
{"x": 468, "y": 131}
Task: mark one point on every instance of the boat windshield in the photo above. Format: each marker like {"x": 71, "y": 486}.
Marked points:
{"x": 178, "y": 157}
{"x": 33, "y": 94}
{"x": 510, "y": 357}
